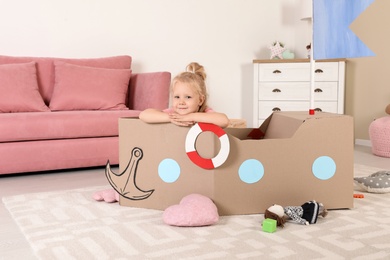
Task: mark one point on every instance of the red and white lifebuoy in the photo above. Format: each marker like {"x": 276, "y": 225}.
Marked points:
{"x": 207, "y": 163}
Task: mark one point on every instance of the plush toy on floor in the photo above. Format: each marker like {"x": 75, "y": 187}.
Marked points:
{"x": 109, "y": 195}
{"x": 305, "y": 214}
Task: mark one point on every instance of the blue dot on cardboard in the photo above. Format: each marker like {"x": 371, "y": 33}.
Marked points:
{"x": 324, "y": 168}
{"x": 251, "y": 171}
{"x": 169, "y": 170}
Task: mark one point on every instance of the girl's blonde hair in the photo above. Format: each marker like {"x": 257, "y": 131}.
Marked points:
{"x": 195, "y": 77}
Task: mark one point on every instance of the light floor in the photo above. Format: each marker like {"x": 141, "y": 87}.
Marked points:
{"x": 13, "y": 245}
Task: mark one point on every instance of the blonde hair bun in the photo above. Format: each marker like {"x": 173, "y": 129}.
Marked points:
{"x": 197, "y": 69}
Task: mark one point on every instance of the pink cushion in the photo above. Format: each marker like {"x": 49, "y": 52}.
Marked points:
{"x": 149, "y": 90}
{"x": 45, "y": 68}
{"x": 379, "y": 132}
{"x": 61, "y": 124}
{"x": 87, "y": 88}
{"x": 194, "y": 210}
{"x": 19, "y": 89}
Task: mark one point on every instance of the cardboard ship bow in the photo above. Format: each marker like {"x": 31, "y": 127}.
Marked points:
{"x": 292, "y": 158}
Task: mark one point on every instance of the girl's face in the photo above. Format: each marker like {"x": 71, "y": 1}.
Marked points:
{"x": 185, "y": 99}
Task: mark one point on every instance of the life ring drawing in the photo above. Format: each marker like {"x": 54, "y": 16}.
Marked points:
{"x": 127, "y": 179}
{"x": 193, "y": 155}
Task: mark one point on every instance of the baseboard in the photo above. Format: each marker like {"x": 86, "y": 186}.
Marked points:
{"x": 363, "y": 142}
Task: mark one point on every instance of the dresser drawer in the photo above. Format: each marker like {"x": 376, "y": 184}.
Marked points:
{"x": 266, "y": 108}
{"x": 330, "y": 107}
{"x": 274, "y": 72}
{"x": 284, "y": 72}
{"x": 326, "y": 71}
{"x": 298, "y": 91}
{"x": 284, "y": 91}
{"x": 325, "y": 91}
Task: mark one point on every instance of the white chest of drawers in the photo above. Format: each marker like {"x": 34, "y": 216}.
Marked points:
{"x": 284, "y": 85}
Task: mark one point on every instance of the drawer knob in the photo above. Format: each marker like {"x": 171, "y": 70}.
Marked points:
{"x": 276, "y": 71}
{"x": 275, "y": 109}
{"x": 319, "y": 71}
{"x": 318, "y": 109}
{"x": 318, "y": 90}
{"x": 276, "y": 90}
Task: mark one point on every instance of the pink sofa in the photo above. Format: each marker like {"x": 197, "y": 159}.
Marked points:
{"x": 60, "y": 113}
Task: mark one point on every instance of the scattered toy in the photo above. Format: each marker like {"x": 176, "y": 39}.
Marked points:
{"x": 305, "y": 214}
{"x": 269, "y": 225}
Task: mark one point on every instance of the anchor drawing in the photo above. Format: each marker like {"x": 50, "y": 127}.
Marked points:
{"x": 128, "y": 188}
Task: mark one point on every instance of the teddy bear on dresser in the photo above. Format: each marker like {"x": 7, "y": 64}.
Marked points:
{"x": 305, "y": 214}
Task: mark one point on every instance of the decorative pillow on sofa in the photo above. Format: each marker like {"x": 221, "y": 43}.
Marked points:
{"x": 19, "y": 89}
{"x": 87, "y": 88}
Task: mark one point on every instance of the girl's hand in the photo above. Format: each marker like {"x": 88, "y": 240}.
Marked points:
{"x": 181, "y": 120}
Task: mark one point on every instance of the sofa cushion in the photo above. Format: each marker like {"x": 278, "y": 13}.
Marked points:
{"x": 61, "y": 125}
{"x": 45, "y": 68}
{"x": 19, "y": 89}
{"x": 87, "y": 88}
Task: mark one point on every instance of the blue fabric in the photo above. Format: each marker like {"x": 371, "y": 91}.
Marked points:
{"x": 332, "y": 37}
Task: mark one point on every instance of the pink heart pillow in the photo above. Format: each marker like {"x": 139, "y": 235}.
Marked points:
{"x": 194, "y": 210}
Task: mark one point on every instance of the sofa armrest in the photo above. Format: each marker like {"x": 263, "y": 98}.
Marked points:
{"x": 149, "y": 90}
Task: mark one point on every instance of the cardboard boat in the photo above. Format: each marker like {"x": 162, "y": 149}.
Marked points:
{"x": 291, "y": 158}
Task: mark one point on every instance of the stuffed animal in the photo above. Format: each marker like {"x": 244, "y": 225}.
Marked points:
{"x": 305, "y": 214}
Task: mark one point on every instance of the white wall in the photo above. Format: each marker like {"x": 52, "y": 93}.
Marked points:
{"x": 223, "y": 35}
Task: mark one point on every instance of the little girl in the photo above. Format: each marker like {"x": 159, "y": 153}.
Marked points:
{"x": 189, "y": 106}
{"x": 189, "y": 102}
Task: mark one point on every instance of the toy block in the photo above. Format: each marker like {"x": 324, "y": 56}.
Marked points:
{"x": 269, "y": 225}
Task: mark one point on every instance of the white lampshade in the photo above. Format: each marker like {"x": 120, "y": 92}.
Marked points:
{"x": 306, "y": 9}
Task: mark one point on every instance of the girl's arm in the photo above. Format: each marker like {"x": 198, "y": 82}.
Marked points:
{"x": 151, "y": 115}
{"x": 215, "y": 118}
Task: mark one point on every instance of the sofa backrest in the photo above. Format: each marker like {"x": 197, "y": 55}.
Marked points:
{"x": 45, "y": 68}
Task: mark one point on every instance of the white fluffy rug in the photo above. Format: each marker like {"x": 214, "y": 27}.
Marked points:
{"x": 71, "y": 225}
